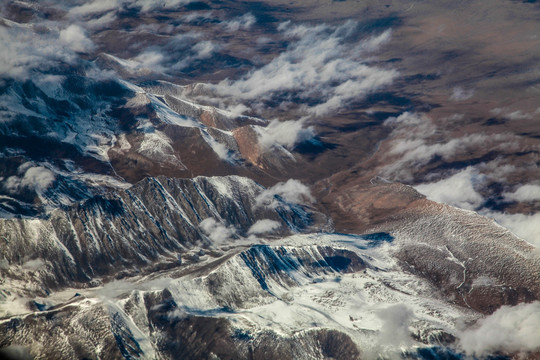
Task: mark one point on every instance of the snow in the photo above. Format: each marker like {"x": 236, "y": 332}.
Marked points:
{"x": 11, "y": 103}
{"x": 127, "y": 84}
{"x": 142, "y": 339}
{"x": 226, "y": 113}
{"x": 220, "y": 149}
{"x": 156, "y": 145}
{"x": 222, "y": 185}
{"x": 349, "y": 302}
{"x": 168, "y": 116}
{"x": 297, "y": 298}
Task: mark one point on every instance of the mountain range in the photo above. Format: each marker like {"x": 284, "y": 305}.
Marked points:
{"x": 269, "y": 180}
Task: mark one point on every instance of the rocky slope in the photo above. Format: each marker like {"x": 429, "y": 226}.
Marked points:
{"x": 62, "y": 142}
{"x": 142, "y": 229}
{"x": 151, "y": 154}
{"x": 473, "y": 260}
{"x": 143, "y": 273}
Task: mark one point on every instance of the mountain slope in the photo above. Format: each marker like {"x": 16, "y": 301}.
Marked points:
{"x": 165, "y": 280}
{"x": 141, "y": 229}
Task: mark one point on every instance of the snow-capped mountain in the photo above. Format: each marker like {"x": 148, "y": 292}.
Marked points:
{"x": 175, "y": 267}
{"x": 70, "y": 138}
{"x": 149, "y": 226}
{"x": 212, "y": 179}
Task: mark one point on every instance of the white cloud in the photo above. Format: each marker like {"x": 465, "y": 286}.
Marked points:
{"x": 292, "y": 191}
{"x": 457, "y": 190}
{"x": 12, "y": 184}
{"x": 326, "y": 64}
{"x": 177, "y": 314}
{"x": 76, "y": 38}
{"x": 183, "y": 42}
{"x": 524, "y": 193}
{"x": 514, "y": 115}
{"x": 414, "y": 152}
{"x": 395, "y": 328}
{"x": 150, "y": 60}
{"x": 18, "y": 352}
{"x": 180, "y": 52}
{"x": 518, "y": 115}
{"x": 496, "y": 111}
{"x": 237, "y": 110}
{"x": 103, "y": 6}
{"x": 4, "y": 264}
{"x": 199, "y": 51}
{"x": 216, "y": 231}
{"x": 197, "y": 15}
{"x": 498, "y": 169}
{"x": 221, "y": 150}
{"x": 460, "y": 94}
{"x": 460, "y": 190}
{"x": 526, "y": 227}
{"x": 263, "y": 226}
{"x": 285, "y": 133}
{"x": 416, "y": 140}
{"x": 37, "y": 178}
{"x": 403, "y": 124}
{"x": 508, "y": 330}
{"x": 24, "y": 50}
{"x": 100, "y": 22}
{"x": 204, "y": 49}
{"x": 243, "y": 22}
{"x": 94, "y": 7}
{"x": 148, "y": 5}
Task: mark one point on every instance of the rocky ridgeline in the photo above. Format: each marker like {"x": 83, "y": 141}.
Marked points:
{"x": 141, "y": 229}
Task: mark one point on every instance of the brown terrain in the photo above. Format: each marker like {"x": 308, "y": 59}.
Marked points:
{"x": 99, "y": 172}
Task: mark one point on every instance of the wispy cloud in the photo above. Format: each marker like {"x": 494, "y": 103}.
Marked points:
{"x": 292, "y": 191}
{"x": 526, "y": 226}
{"x": 149, "y": 60}
{"x": 76, "y": 38}
{"x": 100, "y": 22}
{"x": 34, "y": 178}
{"x": 284, "y": 133}
{"x": 216, "y": 231}
{"x": 94, "y": 7}
{"x": 263, "y": 226}
{"x": 199, "y": 51}
{"x": 24, "y": 50}
{"x": 116, "y": 288}
{"x": 460, "y": 94}
{"x": 323, "y": 64}
{"x": 524, "y": 193}
{"x": 103, "y": 6}
{"x": 198, "y": 16}
{"x": 416, "y": 140}
{"x": 18, "y": 352}
{"x": 463, "y": 190}
{"x": 513, "y": 115}
{"x": 396, "y": 321}
{"x": 243, "y": 22}
{"x": 508, "y": 330}
{"x": 518, "y": 115}
{"x": 34, "y": 264}
{"x": 394, "y": 333}
{"x": 178, "y": 53}
{"x": 457, "y": 190}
